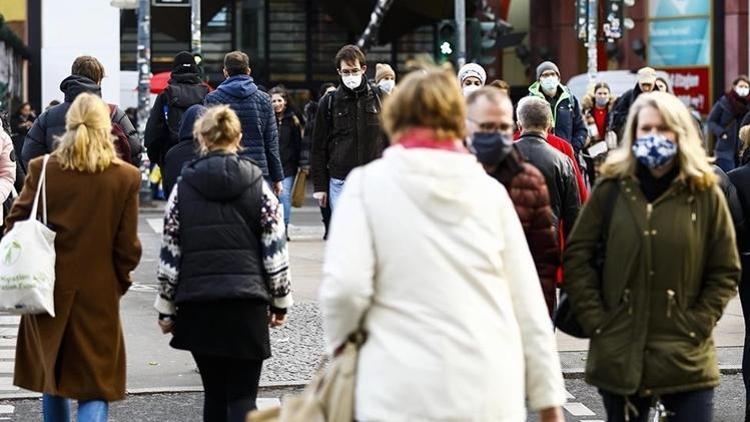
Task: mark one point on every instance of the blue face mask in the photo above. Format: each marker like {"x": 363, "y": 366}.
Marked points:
{"x": 654, "y": 151}
{"x": 491, "y": 148}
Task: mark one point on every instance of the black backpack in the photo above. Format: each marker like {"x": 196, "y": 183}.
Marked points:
{"x": 178, "y": 98}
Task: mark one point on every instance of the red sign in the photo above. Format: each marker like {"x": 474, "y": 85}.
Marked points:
{"x": 692, "y": 86}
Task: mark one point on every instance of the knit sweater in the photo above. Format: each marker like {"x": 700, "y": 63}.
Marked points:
{"x": 274, "y": 252}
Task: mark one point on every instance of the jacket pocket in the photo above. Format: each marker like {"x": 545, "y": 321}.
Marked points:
{"x": 684, "y": 322}
{"x": 623, "y": 309}
{"x": 372, "y": 116}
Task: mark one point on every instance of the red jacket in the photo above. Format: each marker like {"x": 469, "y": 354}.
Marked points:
{"x": 528, "y": 192}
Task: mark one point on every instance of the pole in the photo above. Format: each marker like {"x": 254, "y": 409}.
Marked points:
{"x": 144, "y": 82}
{"x": 460, "y": 12}
{"x": 591, "y": 41}
{"x": 195, "y": 27}
{"x": 373, "y": 28}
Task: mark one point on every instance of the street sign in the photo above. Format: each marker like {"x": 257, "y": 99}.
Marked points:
{"x": 692, "y": 85}
{"x": 171, "y": 3}
{"x": 679, "y": 42}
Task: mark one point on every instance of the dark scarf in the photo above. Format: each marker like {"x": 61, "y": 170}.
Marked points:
{"x": 653, "y": 187}
{"x": 739, "y": 104}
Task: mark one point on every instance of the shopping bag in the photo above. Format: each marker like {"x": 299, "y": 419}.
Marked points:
{"x": 298, "y": 189}
{"x": 330, "y": 395}
{"x": 27, "y": 261}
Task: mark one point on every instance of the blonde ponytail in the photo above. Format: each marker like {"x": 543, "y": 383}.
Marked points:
{"x": 218, "y": 129}
{"x": 87, "y": 143}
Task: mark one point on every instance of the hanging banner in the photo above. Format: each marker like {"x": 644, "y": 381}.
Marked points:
{"x": 692, "y": 85}
{"x": 679, "y": 42}
{"x": 678, "y": 8}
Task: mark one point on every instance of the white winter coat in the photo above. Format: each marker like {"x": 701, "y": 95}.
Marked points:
{"x": 7, "y": 170}
{"x": 431, "y": 249}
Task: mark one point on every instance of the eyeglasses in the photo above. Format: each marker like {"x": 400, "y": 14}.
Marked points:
{"x": 350, "y": 72}
{"x": 493, "y": 127}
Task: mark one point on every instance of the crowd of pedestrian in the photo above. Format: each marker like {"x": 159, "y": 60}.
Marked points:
{"x": 454, "y": 219}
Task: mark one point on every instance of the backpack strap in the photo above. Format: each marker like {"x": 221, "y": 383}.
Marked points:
{"x": 112, "y": 111}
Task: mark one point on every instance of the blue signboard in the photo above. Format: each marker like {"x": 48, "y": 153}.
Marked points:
{"x": 678, "y": 8}
{"x": 679, "y": 42}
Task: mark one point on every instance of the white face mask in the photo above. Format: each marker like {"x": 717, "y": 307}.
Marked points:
{"x": 468, "y": 89}
{"x": 387, "y": 85}
{"x": 352, "y": 81}
{"x": 742, "y": 91}
{"x": 549, "y": 84}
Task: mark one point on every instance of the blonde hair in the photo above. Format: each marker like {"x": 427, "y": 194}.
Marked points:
{"x": 695, "y": 166}
{"x": 218, "y": 129}
{"x": 430, "y": 99}
{"x": 87, "y": 144}
{"x": 745, "y": 137}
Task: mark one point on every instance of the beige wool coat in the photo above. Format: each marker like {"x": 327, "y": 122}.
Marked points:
{"x": 80, "y": 354}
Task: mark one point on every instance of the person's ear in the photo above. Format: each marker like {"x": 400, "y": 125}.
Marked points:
{"x": 249, "y": 71}
{"x": 226, "y": 74}
{"x": 364, "y": 68}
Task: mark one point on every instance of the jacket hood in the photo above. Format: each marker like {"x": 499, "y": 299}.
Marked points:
{"x": 442, "y": 184}
{"x": 74, "y": 85}
{"x": 536, "y": 90}
{"x": 221, "y": 176}
{"x": 240, "y": 86}
{"x": 187, "y": 122}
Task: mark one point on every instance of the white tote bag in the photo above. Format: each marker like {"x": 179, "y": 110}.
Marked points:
{"x": 27, "y": 261}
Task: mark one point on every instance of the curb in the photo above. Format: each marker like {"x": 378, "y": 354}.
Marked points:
{"x": 578, "y": 373}
{"x": 163, "y": 390}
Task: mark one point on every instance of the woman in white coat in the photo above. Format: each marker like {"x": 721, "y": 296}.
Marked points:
{"x": 7, "y": 171}
{"x": 428, "y": 252}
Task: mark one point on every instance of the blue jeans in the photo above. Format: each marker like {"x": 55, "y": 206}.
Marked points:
{"x": 57, "y": 409}
{"x": 690, "y": 406}
{"x": 286, "y": 198}
{"x": 335, "y": 187}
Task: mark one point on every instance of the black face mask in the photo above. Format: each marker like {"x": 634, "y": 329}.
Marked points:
{"x": 491, "y": 148}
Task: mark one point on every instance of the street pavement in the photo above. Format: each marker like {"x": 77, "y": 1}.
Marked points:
{"x": 163, "y": 383}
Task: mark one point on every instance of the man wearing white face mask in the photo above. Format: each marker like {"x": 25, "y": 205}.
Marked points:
{"x": 471, "y": 76}
{"x": 347, "y": 130}
{"x": 566, "y": 112}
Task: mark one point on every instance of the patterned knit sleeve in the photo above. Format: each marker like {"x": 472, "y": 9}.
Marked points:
{"x": 169, "y": 258}
{"x": 275, "y": 253}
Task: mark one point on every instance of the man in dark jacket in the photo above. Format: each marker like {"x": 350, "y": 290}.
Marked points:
{"x": 311, "y": 110}
{"x": 260, "y": 136}
{"x": 567, "y": 120}
{"x": 534, "y": 120}
{"x": 619, "y": 114}
{"x": 347, "y": 127}
{"x": 86, "y": 76}
{"x": 490, "y": 128}
{"x": 184, "y": 152}
{"x": 185, "y": 89}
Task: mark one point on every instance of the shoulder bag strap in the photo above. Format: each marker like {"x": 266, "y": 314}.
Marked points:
{"x": 41, "y": 188}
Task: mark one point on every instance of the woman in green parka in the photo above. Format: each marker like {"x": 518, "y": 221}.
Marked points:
{"x": 670, "y": 267}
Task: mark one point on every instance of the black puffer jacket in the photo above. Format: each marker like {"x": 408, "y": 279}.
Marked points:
{"x": 347, "y": 133}
{"x": 619, "y": 113}
{"x": 51, "y": 124}
{"x": 559, "y": 175}
{"x": 184, "y": 90}
{"x": 290, "y": 142}
{"x": 220, "y": 197}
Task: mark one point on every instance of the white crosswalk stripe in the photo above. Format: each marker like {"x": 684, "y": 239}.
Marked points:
{"x": 578, "y": 409}
{"x": 8, "y": 335}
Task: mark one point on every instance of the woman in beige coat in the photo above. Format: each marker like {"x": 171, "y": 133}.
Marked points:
{"x": 93, "y": 207}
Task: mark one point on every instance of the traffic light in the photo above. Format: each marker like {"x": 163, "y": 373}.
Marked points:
{"x": 446, "y": 41}
{"x": 489, "y": 36}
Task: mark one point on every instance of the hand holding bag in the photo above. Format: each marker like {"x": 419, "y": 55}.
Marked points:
{"x": 27, "y": 261}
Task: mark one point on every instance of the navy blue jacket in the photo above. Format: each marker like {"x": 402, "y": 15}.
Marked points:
{"x": 260, "y": 136}
{"x": 50, "y": 125}
{"x": 723, "y": 121}
{"x": 184, "y": 152}
{"x": 567, "y": 116}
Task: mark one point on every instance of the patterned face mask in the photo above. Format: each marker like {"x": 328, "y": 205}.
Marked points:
{"x": 653, "y": 151}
